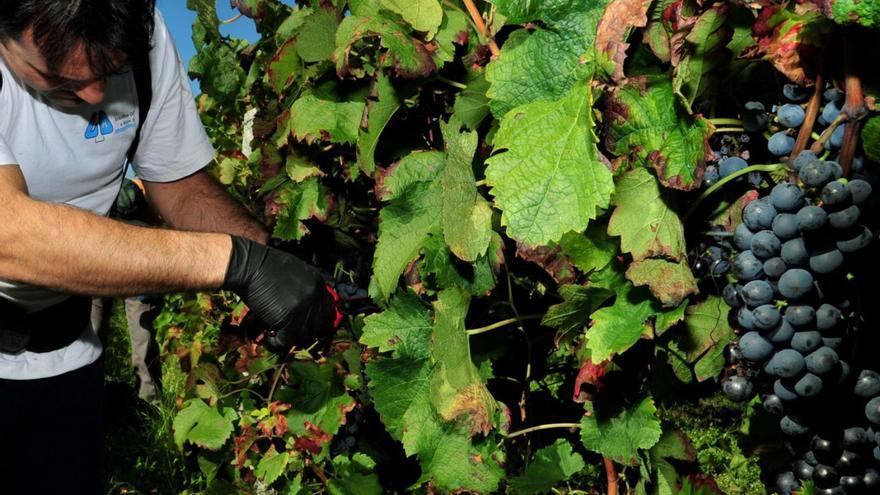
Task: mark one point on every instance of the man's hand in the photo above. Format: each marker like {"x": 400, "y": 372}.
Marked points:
{"x": 285, "y": 292}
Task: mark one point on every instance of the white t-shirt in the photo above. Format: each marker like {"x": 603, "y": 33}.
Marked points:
{"x": 76, "y": 156}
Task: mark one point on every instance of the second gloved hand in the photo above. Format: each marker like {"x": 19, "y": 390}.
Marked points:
{"x": 284, "y": 291}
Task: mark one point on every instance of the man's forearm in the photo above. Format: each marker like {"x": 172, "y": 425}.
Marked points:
{"x": 75, "y": 251}
{"x": 198, "y": 203}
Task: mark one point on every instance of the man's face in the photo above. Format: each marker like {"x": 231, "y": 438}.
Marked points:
{"x": 69, "y": 85}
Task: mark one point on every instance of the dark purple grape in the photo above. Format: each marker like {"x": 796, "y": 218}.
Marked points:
{"x": 795, "y": 93}
{"x": 827, "y": 317}
{"x": 803, "y": 470}
{"x": 855, "y": 438}
{"x": 795, "y": 283}
{"x": 872, "y": 410}
{"x": 786, "y": 226}
{"x": 849, "y": 463}
{"x": 765, "y": 244}
{"x": 780, "y": 143}
{"x": 821, "y": 361}
{"x": 793, "y": 426}
{"x": 835, "y": 193}
{"x": 786, "y": 483}
{"x": 794, "y": 252}
{"x": 824, "y": 449}
{"x": 806, "y": 342}
{"x": 784, "y": 391}
{"x": 786, "y": 196}
{"x": 759, "y": 214}
{"x": 757, "y": 293}
{"x": 851, "y": 484}
{"x": 746, "y": 318}
{"x": 742, "y": 237}
{"x": 738, "y": 388}
{"x": 833, "y": 95}
{"x": 800, "y": 315}
{"x": 747, "y": 267}
{"x": 867, "y": 384}
{"x": 836, "y": 169}
{"x": 732, "y": 354}
{"x": 808, "y": 385}
{"x": 871, "y": 479}
{"x": 711, "y": 176}
{"x": 731, "y": 165}
{"x": 836, "y": 139}
{"x": 859, "y": 190}
{"x": 782, "y": 333}
{"x": 755, "y": 117}
{"x": 857, "y": 242}
{"x": 790, "y": 115}
{"x": 787, "y": 363}
{"x": 774, "y": 268}
{"x": 811, "y": 218}
{"x": 773, "y": 405}
{"x": 766, "y": 317}
{"x": 844, "y": 218}
{"x": 803, "y": 158}
{"x": 830, "y": 112}
{"x": 834, "y": 343}
{"x": 827, "y": 261}
{"x": 754, "y": 347}
{"x": 816, "y": 173}
{"x": 825, "y": 476}
{"x": 731, "y": 295}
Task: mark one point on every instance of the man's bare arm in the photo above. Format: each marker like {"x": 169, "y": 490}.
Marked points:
{"x": 198, "y": 203}
{"x": 75, "y": 251}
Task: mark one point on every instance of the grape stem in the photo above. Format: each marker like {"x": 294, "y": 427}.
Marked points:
{"x": 855, "y": 105}
{"x": 230, "y": 21}
{"x": 806, "y": 130}
{"x": 723, "y": 122}
{"x": 611, "y": 474}
{"x": 729, "y": 129}
{"x": 454, "y": 84}
{"x": 481, "y": 27}
{"x": 480, "y": 183}
{"x": 817, "y": 147}
{"x": 775, "y": 167}
{"x": 503, "y": 323}
{"x": 549, "y": 426}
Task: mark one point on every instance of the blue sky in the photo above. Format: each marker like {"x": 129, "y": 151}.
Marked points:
{"x": 179, "y": 20}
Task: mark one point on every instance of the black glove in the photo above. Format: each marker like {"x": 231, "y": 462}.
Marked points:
{"x": 282, "y": 290}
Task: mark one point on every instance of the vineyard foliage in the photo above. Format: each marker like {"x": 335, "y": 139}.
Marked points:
{"x": 509, "y": 181}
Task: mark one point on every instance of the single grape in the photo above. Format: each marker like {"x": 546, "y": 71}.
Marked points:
{"x": 731, "y": 295}
{"x": 871, "y": 478}
{"x": 786, "y": 226}
{"x": 810, "y": 458}
{"x": 836, "y": 139}
{"x": 827, "y": 261}
{"x": 854, "y": 438}
{"x": 787, "y": 363}
{"x": 755, "y": 116}
{"x": 808, "y": 385}
{"x": 786, "y": 196}
{"x": 780, "y": 144}
{"x": 790, "y": 115}
{"x": 765, "y": 244}
{"x": 867, "y": 384}
{"x": 766, "y": 317}
{"x": 784, "y": 391}
{"x": 816, "y": 173}
{"x": 800, "y": 315}
{"x": 827, "y": 317}
{"x": 849, "y": 462}
{"x": 844, "y": 218}
{"x": 860, "y": 190}
{"x": 782, "y": 333}
{"x": 830, "y": 112}
{"x": 746, "y": 318}
{"x": 835, "y": 193}
{"x": 806, "y": 342}
{"x": 811, "y": 218}
{"x": 755, "y": 178}
{"x": 795, "y": 93}
{"x": 795, "y": 283}
{"x": 757, "y": 293}
{"x": 850, "y": 484}
{"x": 857, "y": 242}
{"x": 872, "y": 410}
{"x": 834, "y": 343}
{"x": 786, "y": 483}
{"x": 747, "y": 267}
{"x": 773, "y": 405}
{"x": 794, "y": 252}
{"x": 858, "y": 164}
{"x": 793, "y": 426}
{"x": 803, "y": 158}
{"x": 754, "y": 347}
{"x": 836, "y": 170}
{"x": 742, "y": 237}
{"x": 803, "y": 470}
{"x": 774, "y": 267}
{"x": 719, "y": 268}
{"x": 711, "y": 176}
{"x": 738, "y": 388}
{"x": 821, "y": 361}
{"x": 732, "y": 165}
{"x": 833, "y": 95}
{"x": 758, "y": 215}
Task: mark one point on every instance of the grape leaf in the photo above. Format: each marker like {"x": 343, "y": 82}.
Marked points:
{"x": 202, "y": 425}
{"x": 317, "y": 395}
{"x": 218, "y": 70}
{"x": 317, "y": 118}
{"x": 422, "y": 15}
{"x": 284, "y": 66}
{"x": 296, "y": 203}
{"x": 704, "y": 51}
{"x": 440, "y": 269}
{"x": 673, "y": 445}
{"x": 543, "y": 65}
{"x": 579, "y": 302}
{"x": 552, "y": 465}
{"x": 855, "y": 12}
{"x": 381, "y": 107}
{"x": 404, "y": 328}
{"x": 549, "y": 180}
{"x": 871, "y": 139}
{"x": 643, "y": 219}
{"x": 790, "y": 41}
{"x": 618, "y": 21}
{"x": 453, "y": 30}
{"x": 618, "y": 327}
{"x": 706, "y": 334}
{"x": 271, "y": 465}
{"x": 207, "y": 24}
{"x": 472, "y": 104}
{"x": 316, "y": 38}
{"x": 408, "y": 56}
{"x": 670, "y": 282}
{"x": 255, "y": 9}
{"x": 414, "y": 203}
{"x": 647, "y": 124}
{"x": 620, "y": 437}
{"x": 467, "y": 217}
{"x": 355, "y": 476}
{"x": 592, "y": 250}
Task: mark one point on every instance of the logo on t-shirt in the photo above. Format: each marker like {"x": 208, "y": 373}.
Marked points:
{"x": 98, "y": 127}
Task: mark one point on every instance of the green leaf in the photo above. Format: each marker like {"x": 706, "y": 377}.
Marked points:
{"x": 670, "y": 282}
{"x": 618, "y": 327}
{"x": 297, "y": 203}
{"x": 543, "y": 65}
{"x": 646, "y": 122}
{"x": 592, "y": 250}
{"x": 271, "y": 466}
{"x": 422, "y": 15}
{"x": 673, "y": 445}
{"x": 218, "y": 70}
{"x": 441, "y": 269}
{"x": 706, "y": 334}
{"x": 404, "y": 328}
{"x": 621, "y": 436}
{"x": 317, "y": 395}
{"x": 414, "y": 202}
{"x": 579, "y": 302}
{"x": 316, "y": 39}
{"x": 472, "y": 104}
{"x": 206, "y": 21}
{"x": 355, "y": 476}
{"x": 284, "y": 67}
{"x": 552, "y": 465}
{"x": 409, "y": 57}
{"x": 647, "y": 225}
{"x": 453, "y": 30}
{"x": 381, "y": 107}
{"x": 201, "y": 425}
{"x": 860, "y": 12}
{"x": 871, "y": 139}
{"x": 704, "y": 52}
{"x": 549, "y": 180}
{"x": 467, "y": 217}
{"x": 313, "y": 118}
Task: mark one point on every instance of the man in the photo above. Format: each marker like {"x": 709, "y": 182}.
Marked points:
{"x": 69, "y": 116}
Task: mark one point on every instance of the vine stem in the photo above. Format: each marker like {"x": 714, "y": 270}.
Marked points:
{"x": 775, "y": 167}
{"x": 819, "y": 145}
{"x": 549, "y": 426}
{"x": 723, "y": 122}
{"x": 806, "y": 130}
{"x": 729, "y": 129}
{"x": 230, "y": 21}
{"x": 480, "y": 183}
{"x": 854, "y": 107}
{"x": 503, "y": 323}
{"x": 481, "y": 26}
{"x": 611, "y": 474}
{"x": 450, "y": 82}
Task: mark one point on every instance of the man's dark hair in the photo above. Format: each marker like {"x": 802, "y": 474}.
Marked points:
{"x": 104, "y": 28}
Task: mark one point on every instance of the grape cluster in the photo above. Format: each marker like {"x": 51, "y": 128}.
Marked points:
{"x": 789, "y": 300}
{"x": 730, "y": 157}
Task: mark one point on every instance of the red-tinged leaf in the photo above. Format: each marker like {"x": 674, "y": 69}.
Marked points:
{"x": 731, "y": 217}
{"x": 790, "y": 41}
{"x": 314, "y": 442}
{"x": 620, "y": 18}
{"x": 590, "y": 375}
{"x": 255, "y": 9}
{"x": 551, "y": 259}
{"x": 284, "y": 67}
